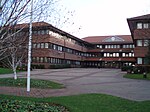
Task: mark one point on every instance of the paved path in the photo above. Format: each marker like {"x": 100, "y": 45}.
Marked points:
{"x": 80, "y": 81}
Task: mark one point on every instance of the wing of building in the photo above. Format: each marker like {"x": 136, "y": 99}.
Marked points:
{"x": 110, "y": 51}
{"x": 140, "y": 31}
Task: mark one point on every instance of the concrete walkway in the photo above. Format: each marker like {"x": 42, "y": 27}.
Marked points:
{"x": 80, "y": 81}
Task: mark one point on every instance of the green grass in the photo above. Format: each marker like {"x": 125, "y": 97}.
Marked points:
{"x": 91, "y": 103}
{"x": 5, "y": 71}
{"x": 137, "y": 76}
{"x": 35, "y": 83}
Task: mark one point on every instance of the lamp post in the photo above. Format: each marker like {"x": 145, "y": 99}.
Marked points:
{"x": 29, "y": 49}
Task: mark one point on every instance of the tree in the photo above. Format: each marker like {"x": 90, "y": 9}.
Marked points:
{"x": 14, "y": 12}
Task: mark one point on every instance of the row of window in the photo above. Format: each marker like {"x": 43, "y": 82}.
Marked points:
{"x": 117, "y": 55}
{"x": 142, "y": 42}
{"x": 56, "y": 35}
{"x": 75, "y": 52}
{"x": 58, "y": 48}
{"x": 54, "y": 61}
{"x": 115, "y": 46}
{"x": 143, "y": 25}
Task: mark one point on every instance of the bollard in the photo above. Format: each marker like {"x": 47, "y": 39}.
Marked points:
{"x": 144, "y": 75}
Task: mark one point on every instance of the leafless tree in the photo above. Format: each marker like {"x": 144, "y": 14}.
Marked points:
{"x": 14, "y": 12}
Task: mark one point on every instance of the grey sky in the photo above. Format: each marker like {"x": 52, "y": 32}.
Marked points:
{"x": 103, "y": 17}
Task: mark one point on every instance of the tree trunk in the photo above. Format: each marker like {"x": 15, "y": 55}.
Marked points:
{"x": 15, "y": 73}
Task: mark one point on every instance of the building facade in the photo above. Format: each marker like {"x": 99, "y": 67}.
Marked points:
{"x": 140, "y": 31}
{"x": 52, "y": 46}
{"x": 110, "y": 51}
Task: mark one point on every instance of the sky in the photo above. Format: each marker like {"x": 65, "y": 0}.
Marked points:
{"x": 103, "y": 17}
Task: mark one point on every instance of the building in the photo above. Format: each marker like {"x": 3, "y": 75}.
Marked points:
{"x": 54, "y": 47}
{"x": 110, "y": 51}
{"x": 140, "y": 31}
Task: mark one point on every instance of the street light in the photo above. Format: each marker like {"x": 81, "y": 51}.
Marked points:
{"x": 29, "y": 49}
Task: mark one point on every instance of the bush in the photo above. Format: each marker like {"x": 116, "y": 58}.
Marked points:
{"x": 127, "y": 68}
{"x": 138, "y": 70}
{"x": 38, "y": 66}
{"x": 28, "y": 106}
{"x": 61, "y": 66}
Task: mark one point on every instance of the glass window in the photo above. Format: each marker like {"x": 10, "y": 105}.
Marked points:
{"x": 114, "y": 54}
{"x": 42, "y": 45}
{"x": 46, "y": 45}
{"x": 145, "y": 42}
{"x": 118, "y": 46}
{"x": 139, "y": 25}
{"x": 139, "y": 60}
{"x": 111, "y": 55}
{"x": 130, "y": 54}
{"x": 117, "y": 54}
{"x": 123, "y": 54}
{"x": 38, "y": 45}
{"x": 37, "y": 59}
{"x": 39, "y": 32}
{"x": 34, "y": 45}
{"x": 139, "y": 42}
{"x": 145, "y": 25}
{"x": 54, "y": 46}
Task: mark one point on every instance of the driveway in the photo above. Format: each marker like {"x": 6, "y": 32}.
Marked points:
{"x": 92, "y": 80}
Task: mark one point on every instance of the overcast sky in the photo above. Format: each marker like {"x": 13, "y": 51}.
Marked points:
{"x": 103, "y": 17}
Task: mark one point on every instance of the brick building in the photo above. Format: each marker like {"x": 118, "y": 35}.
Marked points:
{"x": 52, "y": 46}
{"x": 110, "y": 51}
{"x": 140, "y": 31}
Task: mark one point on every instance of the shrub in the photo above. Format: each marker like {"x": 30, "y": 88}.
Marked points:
{"x": 138, "y": 69}
{"x": 61, "y": 66}
{"x": 127, "y": 68}
{"x": 28, "y": 106}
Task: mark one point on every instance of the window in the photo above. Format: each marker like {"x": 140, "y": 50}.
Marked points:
{"x": 34, "y": 45}
{"x": 42, "y": 45}
{"x": 139, "y": 25}
{"x": 130, "y": 55}
{"x": 42, "y": 32}
{"x": 54, "y": 47}
{"x": 114, "y": 54}
{"x": 139, "y": 42}
{"x": 139, "y": 60}
{"x": 99, "y": 46}
{"x": 117, "y": 46}
{"x": 46, "y": 45}
{"x": 123, "y": 54}
{"x": 117, "y": 54}
{"x": 145, "y": 25}
{"x": 145, "y": 42}
{"x": 38, "y": 45}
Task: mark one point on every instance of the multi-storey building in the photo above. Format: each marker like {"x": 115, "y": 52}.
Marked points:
{"x": 110, "y": 51}
{"x": 140, "y": 31}
{"x": 52, "y": 46}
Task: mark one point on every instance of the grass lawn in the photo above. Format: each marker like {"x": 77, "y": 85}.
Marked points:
{"x": 137, "y": 76}
{"x": 35, "y": 83}
{"x": 5, "y": 71}
{"x": 89, "y": 103}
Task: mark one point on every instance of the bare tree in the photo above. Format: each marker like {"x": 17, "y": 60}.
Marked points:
{"x": 14, "y": 12}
